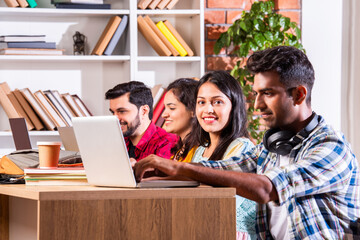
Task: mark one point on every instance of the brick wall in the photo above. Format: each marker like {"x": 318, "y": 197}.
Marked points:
{"x": 220, "y": 14}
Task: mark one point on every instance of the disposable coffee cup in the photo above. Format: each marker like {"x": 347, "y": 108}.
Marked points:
{"x": 48, "y": 154}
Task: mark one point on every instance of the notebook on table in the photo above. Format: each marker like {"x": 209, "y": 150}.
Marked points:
{"x": 105, "y": 157}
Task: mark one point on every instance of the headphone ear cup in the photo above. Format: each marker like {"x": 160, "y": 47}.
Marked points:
{"x": 282, "y": 142}
{"x": 278, "y": 141}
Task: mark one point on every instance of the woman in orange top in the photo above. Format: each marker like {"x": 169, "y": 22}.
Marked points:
{"x": 179, "y": 114}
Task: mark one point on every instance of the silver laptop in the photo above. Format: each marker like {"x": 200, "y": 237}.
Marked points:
{"x": 105, "y": 157}
{"x": 68, "y": 138}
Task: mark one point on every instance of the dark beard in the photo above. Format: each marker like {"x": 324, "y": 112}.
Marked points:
{"x": 132, "y": 128}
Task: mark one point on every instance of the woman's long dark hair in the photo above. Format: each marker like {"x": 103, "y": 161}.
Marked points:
{"x": 236, "y": 126}
{"x": 184, "y": 90}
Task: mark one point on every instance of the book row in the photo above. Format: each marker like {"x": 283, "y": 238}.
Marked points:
{"x": 21, "y": 3}
{"x": 158, "y": 4}
{"x": 163, "y": 37}
{"x": 85, "y": 4}
{"x": 42, "y": 110}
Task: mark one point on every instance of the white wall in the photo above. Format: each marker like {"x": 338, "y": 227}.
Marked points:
{"x": 331, "y": 36}
{"x": 322, "y": 40}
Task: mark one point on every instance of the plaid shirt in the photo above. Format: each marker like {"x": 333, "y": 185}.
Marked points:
{"x": 320, "y": 187}
{"x": 154, "y": 141}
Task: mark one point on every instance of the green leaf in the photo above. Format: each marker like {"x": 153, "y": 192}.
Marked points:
{"x": 293, "y": 24}
{"x": 220, "y": 43}
{"x": 243, "y": 26}
{"x": 259, "y": 39}
{"x": 244, "y": 49}
{"x": 285, "y": 23}
{"x": 253, "y": 46}
{"x": 272, "y": 22}
{"x": 257, "y": 24}
{"x": 298, "y": 33}
{"x": 255, "y": 8}
{"x": 269, "y": 36}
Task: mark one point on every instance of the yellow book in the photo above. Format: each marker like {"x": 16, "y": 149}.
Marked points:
{"x": 162, "y": 27}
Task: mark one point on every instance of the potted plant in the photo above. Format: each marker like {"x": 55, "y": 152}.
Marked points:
{"x": 258, "y": 29}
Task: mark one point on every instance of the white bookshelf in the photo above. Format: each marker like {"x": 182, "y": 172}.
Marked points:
{"x": 91, "y": 76}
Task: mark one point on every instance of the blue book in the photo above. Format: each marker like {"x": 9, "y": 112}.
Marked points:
{"x": 116, "y": 37}
{"x": 83, "y": 6}
{"x": 47, "y": 45}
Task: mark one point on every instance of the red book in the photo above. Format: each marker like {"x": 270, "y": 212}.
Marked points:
{"x": 158, "y": 108}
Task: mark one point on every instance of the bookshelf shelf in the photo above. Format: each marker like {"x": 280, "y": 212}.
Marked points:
{"x": 53, "y": 12}
{"x": 187, "y": 13}
{"x": 91, "y": 76}
{"x": 32, "y": 133}
{"x": 169, "y": 59}
{"x": 67, "y": 58}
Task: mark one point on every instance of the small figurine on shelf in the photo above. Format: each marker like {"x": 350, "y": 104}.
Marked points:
{"x": 79, "y": 43}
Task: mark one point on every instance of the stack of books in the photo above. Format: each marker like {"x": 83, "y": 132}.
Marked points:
{"x": 27, "y": 45}
{"x": 81, "y": 4}
{"x": 159, "y": 4}
{"x": 21, "y": 3}
{"x": 58, "y": 176}
{"x": 110, "y": 36}
{"x": 163, "y": 37}
{"x": 42, "y": 109}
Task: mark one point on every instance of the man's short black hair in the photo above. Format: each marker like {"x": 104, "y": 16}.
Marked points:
{"x": 140, "y": 94}
{"x": 292, "y": 65}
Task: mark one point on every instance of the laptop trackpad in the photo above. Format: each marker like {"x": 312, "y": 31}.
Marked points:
{"x": 166, "y": 183}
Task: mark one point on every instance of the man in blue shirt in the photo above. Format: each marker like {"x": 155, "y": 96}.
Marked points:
{"x": 304, "y": 175}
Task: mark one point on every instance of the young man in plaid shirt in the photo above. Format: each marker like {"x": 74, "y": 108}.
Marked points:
{"x": 304, "y": 175}
{"x": 132, "y": 103}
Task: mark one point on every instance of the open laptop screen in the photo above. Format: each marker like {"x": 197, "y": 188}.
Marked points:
{"x": 20, "y": 133}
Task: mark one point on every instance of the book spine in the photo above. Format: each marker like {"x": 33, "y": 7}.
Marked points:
{"x": 82, "y": 6}
{"x": 53, "y": 114}
{"x": 11, "y": 3}
{"x": 78, "y": 1}
{"x": 159, "y": 109}
{"x": 162, "y": 4}
{"x": 32, "y": 3}
{"x": 153, "y": 4}
{"x": 171, "y": 4}
{"x": 62, "y": 102}
{"x": 71, "y": 103}
{"x": 23, "y": 3}
{"x": 38, "y": 45}
{"x": 58, "y": 106}
{"x": 171, "y": 28}
{"x": 106, "y": 35}
{"x": 20, "y": 110}
{"x": 161, "y": 36}
{"x": 143, "y": 4}
{"x": 6, "y": 103}
{"x": 38, "y": 109}
{"x": 28, "y": 109}
{"x": 115, "y": 39}
{"x": 171, "y": 38}
{"x": 81, "y": 105}
{"x": 156, "y": 43}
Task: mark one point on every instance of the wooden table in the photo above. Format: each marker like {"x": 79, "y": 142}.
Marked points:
{"x": 87, "y": 212}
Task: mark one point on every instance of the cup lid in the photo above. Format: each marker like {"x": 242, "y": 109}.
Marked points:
{"x": 48, "y": 143}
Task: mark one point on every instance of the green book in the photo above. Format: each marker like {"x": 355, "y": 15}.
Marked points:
{"x": 32, "y": 3}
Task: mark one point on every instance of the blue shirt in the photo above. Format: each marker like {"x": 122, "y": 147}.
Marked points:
{"x": 320, "y": 187}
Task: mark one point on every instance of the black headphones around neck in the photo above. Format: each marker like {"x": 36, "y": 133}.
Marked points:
{"x": 282, "y": 142}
